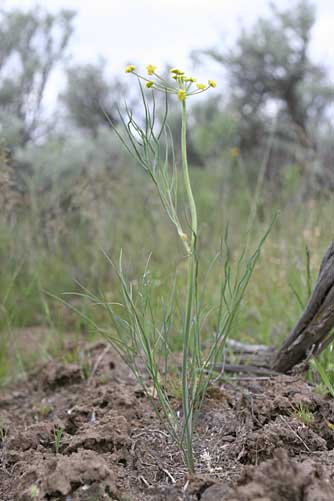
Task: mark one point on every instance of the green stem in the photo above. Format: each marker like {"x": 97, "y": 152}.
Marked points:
{"x": 187, "y": 403}
{"x": 185, "y": 170}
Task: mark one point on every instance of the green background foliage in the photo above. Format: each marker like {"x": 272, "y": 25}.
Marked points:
{"x": 67, "y": 188}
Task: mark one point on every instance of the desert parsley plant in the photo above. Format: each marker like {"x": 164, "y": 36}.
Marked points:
{"x": 142, "y": 339}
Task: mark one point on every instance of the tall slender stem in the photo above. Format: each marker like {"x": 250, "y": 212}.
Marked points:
{"x": 187, "y": 403}
{"x": 185, "y": 168}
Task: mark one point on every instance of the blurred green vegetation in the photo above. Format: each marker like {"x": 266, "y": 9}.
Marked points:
{"x": 68, "y": 191}
{"x": 45, "y": 254}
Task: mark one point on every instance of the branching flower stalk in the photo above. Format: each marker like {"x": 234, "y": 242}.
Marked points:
{"x": 135, "y": 330}
{"x": 185, "y": 87}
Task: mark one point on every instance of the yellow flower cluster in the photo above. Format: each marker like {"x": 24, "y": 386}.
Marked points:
{"x": 235, "y": 152}
{"x": 150, "y": 69}
{"x": 130, "y": 68}
{"x": 184, "y": 84}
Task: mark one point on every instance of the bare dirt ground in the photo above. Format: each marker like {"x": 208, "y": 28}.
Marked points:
{"x": 68, "y": 437}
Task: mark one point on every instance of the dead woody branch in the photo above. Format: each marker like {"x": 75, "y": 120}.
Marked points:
{"x": 312, "y": 333}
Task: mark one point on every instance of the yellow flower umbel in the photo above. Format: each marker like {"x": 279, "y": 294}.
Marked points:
{"x": 212, "y": 83}
{"x": 183, "y": 86}
{"x": 130, "y": 68}
{"x": 150, "y": 68}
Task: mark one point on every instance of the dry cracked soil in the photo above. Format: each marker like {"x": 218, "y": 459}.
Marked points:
{"x": 65, "y": 435}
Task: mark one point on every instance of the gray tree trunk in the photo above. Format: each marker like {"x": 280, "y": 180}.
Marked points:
{"x": 312, "y": 332}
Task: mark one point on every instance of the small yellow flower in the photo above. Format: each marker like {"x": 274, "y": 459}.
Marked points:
{"x": 212, "y": 83}
{"x": 201, "y": 86}
{"x": 176, "y": 71}
{"x": 178, "y": 78}
{"x": 130, "y": 68}
{"x": 235, "y": 152}
{"x": 149, "y": 84}
{"x": 150, "y": 69}
{"x": 190, "y": 79}
{"x": 182, "y": 94}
